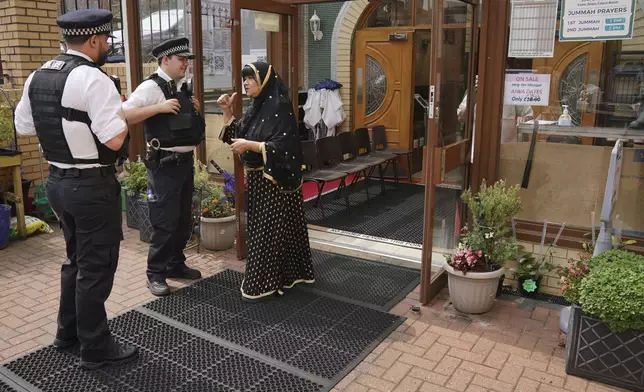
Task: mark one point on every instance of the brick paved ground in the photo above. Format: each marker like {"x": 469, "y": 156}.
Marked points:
{"x": 512, "y": 348}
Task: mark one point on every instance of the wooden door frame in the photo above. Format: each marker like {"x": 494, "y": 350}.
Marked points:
{"x": 236, "y": 52}
{"x": 442, "y": 158}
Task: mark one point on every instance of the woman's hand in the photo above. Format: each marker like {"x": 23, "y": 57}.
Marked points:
{"x": 226, "y": 102}
{"x": 240, "y": 146}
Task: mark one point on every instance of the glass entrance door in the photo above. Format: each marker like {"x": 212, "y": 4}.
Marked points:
{"x": 450, "y": 124}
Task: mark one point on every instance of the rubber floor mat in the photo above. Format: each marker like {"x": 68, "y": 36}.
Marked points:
{"x": 319, "y": 335}
{"x": 369, "y": 282}
{"x": 4, "y": 387}
{"x": 170, "y": 360}
{"x": 396, "y": 214}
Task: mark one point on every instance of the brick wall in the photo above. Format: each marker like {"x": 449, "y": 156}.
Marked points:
{"x": 29, "y": 36}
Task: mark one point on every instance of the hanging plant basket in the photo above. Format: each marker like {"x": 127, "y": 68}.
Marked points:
{"x": 132, "y": 211}
{"x": 145, "y": 227}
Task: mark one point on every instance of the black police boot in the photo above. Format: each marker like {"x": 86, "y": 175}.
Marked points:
{"x": 63, "y": 344}
{"x": 117, "y": 354}
{"x": 182, "y": 271}
{"x": 158, "y": 287}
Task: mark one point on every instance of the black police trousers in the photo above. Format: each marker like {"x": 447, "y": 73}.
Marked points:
{"x": 171, "y": 187}
{"x": 88, "y": 203}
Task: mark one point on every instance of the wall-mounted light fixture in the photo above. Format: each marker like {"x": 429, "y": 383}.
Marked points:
{"x": 315, "y": 27}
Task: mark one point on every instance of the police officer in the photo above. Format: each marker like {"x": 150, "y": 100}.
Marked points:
{"x": 173, "y": 127}
{"x": 75, "y": 110}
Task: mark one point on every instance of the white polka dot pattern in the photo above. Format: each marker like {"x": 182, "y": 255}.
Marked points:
{"x": 279, "y": 254}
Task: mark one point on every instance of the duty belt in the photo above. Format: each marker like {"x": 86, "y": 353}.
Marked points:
{"x": 103, "y": 171}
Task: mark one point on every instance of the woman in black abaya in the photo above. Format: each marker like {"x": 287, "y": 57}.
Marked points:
{"x": 267, "y": 141}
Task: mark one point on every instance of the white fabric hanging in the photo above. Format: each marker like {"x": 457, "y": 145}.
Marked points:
{"x": 312, "y": 109}
{"x": 333, "y": 111}
{"x": 323, "y": 112}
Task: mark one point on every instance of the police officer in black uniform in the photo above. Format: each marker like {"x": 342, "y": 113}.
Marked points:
{"x": 74, "y": 109}
{"x": 173, "y": 127}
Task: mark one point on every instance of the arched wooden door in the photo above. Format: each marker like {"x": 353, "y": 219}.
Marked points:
{"x": 383, "y": 86}
{"x": 575, "y": 69}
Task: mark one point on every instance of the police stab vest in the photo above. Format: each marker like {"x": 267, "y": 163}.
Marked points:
{"x": 46, "y": 94}
{"x": 188, "y": 128}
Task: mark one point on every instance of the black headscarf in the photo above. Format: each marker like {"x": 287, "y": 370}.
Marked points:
{"x": 270, "y": 119}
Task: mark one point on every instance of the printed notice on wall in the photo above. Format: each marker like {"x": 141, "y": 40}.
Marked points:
{"x": 527, "y": 89}
{"x": 583, "y": 20}
{"x": 533, "y": 24}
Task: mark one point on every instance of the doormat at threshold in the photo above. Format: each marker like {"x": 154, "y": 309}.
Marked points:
{"x": 205, "y": 338}
{"x": 396, "y": 214}
{"x": 369, "y": 283}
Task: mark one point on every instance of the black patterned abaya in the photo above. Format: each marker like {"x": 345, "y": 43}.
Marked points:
{"x": 279, "y": 254}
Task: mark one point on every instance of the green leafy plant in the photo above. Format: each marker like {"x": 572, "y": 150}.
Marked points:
{"x": 492, "y": 208}
{"x": 136, "y": 179}
{"x": 6, "y": 127}
{"x": 577, "y": 269}
{"x": 529, "y": 266}
{"x": 613, "y": 290}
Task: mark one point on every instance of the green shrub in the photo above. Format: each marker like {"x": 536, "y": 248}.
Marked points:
{"x": 6, "y": 127}
{"x": 136, "y": 181}
{"x": 613, "y": 290}
{"x": 492, "y": 208}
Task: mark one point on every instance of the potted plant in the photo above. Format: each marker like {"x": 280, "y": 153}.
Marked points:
{"x": 218, "y": 220}
{"x": 135, "y": 183}
{"x": 606, "y": 331}
{"x": 529, "y": 271}
{"x": 475, "y": 270}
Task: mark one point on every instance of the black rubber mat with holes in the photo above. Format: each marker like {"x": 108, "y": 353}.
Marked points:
{"x": 396, "y": 214}
{"x": 315, "y": 333}
{"x": 4, "y": 387}
{"x": 170, "y": 360}
{"x": 369, "y": 282}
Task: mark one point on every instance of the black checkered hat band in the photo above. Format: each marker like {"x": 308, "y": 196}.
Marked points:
{"x": 102, "y": 29}
{"x": 175, "y": 50}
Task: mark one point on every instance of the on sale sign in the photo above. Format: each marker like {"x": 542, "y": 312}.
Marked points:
{"x": 587, "y": 20}
{"x": 527, "y": 89}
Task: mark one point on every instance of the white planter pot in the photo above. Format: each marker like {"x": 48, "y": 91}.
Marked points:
{"x": 218, "y": 233}
{"x": 474, "y": 292}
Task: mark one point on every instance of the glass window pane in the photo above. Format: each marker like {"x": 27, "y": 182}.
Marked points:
{"x": 455, "y": 12}
{"x": 424, "y": 12}
{"x": 391, "y": 13}
{"x": 583, "y": 99}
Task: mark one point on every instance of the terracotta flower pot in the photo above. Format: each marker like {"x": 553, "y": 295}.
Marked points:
{"x": 474, "y": 292}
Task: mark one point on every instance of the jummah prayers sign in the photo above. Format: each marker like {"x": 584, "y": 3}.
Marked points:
{"x": 592, "y": 20}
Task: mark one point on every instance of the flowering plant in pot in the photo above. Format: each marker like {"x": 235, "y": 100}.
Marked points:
{"x": 218, "y": 220}
{"x": 475, "y": 269}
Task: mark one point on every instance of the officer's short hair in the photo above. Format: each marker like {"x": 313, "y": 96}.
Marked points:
{"x": 76, "y": 39}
